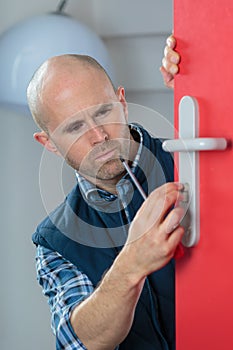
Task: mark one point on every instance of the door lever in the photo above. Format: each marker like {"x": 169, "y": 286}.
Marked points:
{"x": 189, "y": 146}
{"x": 194, "y": 145}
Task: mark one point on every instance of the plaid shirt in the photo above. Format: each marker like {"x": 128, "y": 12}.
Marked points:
{"x": 62, "y": 282}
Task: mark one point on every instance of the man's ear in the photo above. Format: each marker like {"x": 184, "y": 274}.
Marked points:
{"x": 44, "y": 139}
{"x": 121, "y": 97}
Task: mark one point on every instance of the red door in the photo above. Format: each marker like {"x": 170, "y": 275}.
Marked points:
{"x": 204, "y": 277}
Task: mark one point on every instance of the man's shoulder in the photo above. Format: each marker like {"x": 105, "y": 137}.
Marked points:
{"x": 60, "y": 215}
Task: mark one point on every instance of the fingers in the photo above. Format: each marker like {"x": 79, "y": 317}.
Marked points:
{"x": 171, "y": 42}
{"x": 159, "y": 203}
{"x": 154, "y": 209}
{"x": 173, "y": 220}
{"x": 167, "y": 78}
{"x": 170, "y": 62}
{"x": 172, "y": 233}
{"x": 174, "y": 239}
{"x": 171, "y": 228}
{"x": 164, "y": 198}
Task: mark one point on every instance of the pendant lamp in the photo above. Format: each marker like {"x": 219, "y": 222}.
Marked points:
{"x": 26, "y": 45}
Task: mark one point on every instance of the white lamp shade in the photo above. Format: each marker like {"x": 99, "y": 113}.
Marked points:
{"x": 25, "y": 46}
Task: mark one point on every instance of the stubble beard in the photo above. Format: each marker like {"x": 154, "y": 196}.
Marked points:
{"x": 102, "y": 171}
{"x": 110, "y": 170}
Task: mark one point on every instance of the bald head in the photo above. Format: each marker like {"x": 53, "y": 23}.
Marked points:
{"x": 53, "y": 81}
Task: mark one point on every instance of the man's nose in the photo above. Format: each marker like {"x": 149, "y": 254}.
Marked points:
{"x": 97, "y": 134}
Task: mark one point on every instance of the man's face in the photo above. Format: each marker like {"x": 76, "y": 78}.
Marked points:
{"x": 88, "y": 125}
{"x": 93, "y": 141}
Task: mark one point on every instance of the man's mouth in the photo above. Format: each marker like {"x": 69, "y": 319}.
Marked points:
{"x": 106, "y": 155}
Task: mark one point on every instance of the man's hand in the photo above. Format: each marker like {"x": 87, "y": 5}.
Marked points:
{"x": 155, "y": 231}
{"x": 170, "y": 62}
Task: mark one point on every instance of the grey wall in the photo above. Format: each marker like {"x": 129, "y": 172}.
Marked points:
{"x": 134, "y": 33}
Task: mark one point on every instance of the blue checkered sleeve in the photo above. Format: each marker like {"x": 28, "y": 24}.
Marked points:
{"x": 65, "y": 286}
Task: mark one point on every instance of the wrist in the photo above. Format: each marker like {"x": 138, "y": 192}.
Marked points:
{"x": 126, "y": 269}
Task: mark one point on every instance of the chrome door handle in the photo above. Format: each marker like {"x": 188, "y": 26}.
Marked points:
{"x": 193, "y": 145}
{"x": 189, "y": 146}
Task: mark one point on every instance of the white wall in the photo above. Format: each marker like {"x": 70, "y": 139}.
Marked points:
{"x": 24, "y": 313}
{"x": 134, "y": 33}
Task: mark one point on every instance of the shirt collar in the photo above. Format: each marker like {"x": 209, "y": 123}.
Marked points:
{"x": 91, "y": 193}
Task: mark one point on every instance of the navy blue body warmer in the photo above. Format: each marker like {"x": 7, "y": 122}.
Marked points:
{"x": 91, "y": 235}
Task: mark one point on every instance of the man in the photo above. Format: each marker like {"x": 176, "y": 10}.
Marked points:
{"x": 104, "y": 258}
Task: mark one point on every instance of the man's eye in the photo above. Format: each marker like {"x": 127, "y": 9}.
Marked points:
{"x": 76, "y": 127}
{"x": 103, "y": 112}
